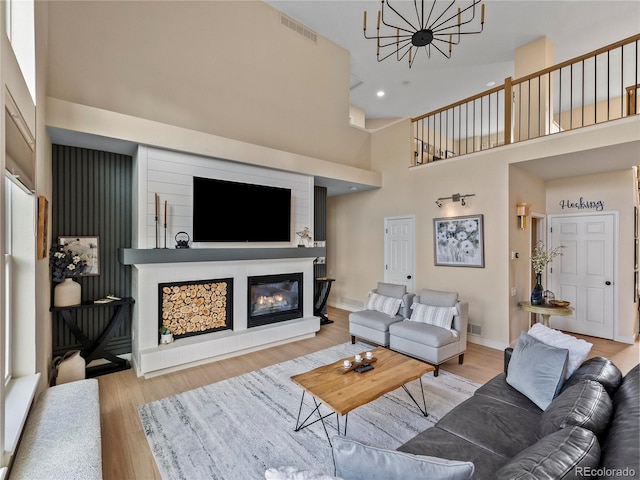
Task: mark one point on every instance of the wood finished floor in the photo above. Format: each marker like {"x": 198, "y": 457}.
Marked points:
{"x": 126, "y": 454}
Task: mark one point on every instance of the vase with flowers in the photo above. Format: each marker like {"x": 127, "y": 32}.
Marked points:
{"x": 540, "y": 258}
{"x": 65, "y": 266}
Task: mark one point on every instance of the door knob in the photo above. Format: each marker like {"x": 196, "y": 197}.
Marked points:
{"x": 409, "y": 277}
{"x": 607, "y": 283}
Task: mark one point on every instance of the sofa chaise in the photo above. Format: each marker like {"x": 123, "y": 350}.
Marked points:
{"x": 589, "y": 429}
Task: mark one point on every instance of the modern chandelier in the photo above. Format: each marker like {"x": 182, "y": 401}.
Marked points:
{"x": 432, "y": 27}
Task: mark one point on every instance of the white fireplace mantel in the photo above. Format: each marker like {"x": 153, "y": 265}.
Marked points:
{"x": 150, "y": 359}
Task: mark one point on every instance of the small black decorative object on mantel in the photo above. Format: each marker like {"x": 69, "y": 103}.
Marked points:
{"x": 182, "y": 240}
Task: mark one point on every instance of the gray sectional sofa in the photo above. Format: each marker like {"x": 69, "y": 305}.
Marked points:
{"x": 591, "y": 429}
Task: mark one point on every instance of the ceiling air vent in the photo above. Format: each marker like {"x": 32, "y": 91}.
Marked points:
{"x": 298, "y": 28}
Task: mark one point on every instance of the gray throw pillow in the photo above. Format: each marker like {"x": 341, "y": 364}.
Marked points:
{"x": 537, "y": 370}
{"x": 391, "y": 290}
{"x": 356, "y": 461}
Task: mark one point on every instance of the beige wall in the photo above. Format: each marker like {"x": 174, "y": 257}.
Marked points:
{"x": 616, "y": 190}
{"x": 227, "y": 68}
{"x": 355, "y": 245}
{"x": 356, "y": 237}
{"x": 528, "y": 188}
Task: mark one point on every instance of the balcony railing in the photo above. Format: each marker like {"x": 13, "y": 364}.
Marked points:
{"x": 598, "y": 87}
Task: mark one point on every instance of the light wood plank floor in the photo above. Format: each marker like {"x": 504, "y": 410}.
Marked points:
{"x": 125, "y": 451}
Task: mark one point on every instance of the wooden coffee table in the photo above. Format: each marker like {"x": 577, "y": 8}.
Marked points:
{"x": 342, "y": 391}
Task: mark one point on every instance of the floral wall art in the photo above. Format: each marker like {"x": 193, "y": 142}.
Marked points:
{"x": 459, "y": 241}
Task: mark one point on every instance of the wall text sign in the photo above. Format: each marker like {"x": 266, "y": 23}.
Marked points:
{"x": 583, "y": 204}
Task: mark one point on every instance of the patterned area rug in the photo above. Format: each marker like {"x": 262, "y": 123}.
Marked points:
{"x": 237, "y": 428}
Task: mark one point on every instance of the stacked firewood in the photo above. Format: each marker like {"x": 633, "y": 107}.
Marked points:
{"x": 194, "y": 308}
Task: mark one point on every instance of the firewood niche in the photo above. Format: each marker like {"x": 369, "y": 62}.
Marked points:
{"x": 196, "y": 307}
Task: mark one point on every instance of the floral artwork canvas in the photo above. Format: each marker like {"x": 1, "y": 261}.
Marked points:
{"x": 87, "y": 249}
{"x": 459, "y": 241}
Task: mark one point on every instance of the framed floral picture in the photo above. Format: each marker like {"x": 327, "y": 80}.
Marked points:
{"x": 459, "y": 241}
{"x": 87, "y": 249}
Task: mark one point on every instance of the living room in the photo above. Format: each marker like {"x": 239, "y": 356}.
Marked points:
{"x": 104, "y": 84}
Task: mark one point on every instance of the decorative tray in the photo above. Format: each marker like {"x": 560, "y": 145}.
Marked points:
{"x": 354, "y": 365}
{"x": 560, "y": 303}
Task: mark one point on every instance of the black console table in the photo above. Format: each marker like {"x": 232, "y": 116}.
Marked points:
{"x": 323, "y": 287}
{"x": 92, "y": 350}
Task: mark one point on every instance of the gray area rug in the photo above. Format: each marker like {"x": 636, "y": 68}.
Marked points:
{"x": 237, "y": 428}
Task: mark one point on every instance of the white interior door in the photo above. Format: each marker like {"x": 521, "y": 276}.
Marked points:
{"x": 399, "y": 244}
{"x": 584, "y": 274}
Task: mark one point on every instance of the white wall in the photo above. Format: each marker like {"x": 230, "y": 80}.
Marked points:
{"x": 170, "y": 175}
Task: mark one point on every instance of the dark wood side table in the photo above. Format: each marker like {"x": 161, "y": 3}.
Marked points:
{"x": 323, "y": 287}
{"x": 92, "y": 350}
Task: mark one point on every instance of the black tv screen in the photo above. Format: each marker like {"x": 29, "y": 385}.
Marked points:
{"x": 225, "y": 211}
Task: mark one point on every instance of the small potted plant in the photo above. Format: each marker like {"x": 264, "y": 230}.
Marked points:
{"x": 166, "y": 336}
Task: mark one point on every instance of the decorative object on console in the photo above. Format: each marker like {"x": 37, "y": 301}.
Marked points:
{"x": 540, "y": 258}
{"x": 456, "y": 197}
{"x": 434, "y": 26}
{"x": 459, "y": 241}
{"x": 66, "y": 293}
{"x": 65, "y": 265}
{"x": 522, "y": 211}
{"x": 536, "y": 293}
{"x": 182, "y": 240}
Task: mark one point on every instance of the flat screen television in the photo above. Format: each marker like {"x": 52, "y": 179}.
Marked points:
{"x": 225, "y": 211}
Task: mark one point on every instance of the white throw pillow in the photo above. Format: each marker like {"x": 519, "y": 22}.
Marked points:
{"x": 438, "y": 316}
{"x": 384, "y": 304}
{"x": 578, "y": 348}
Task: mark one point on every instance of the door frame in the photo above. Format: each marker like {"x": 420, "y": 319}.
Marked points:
{"x": 412, "y": 218}
{"x": 616, "y": 254}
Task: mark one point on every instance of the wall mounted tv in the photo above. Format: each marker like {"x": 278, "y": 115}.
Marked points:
{"x": 225, "y": 211}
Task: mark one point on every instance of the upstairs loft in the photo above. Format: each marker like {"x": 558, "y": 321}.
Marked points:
{"x": 598, "y": 87}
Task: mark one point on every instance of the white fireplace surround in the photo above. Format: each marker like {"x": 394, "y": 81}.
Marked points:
{"x": 170, "y": 175}
{"x": 150, "y": 359}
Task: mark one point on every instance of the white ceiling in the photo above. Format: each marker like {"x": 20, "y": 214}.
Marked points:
{"x": 573, "y": 27}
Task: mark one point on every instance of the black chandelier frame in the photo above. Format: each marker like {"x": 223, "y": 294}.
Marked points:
{"x": 430, "y": 29}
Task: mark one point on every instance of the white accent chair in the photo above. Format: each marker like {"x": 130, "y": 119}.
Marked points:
{"x": 372, "y": 325}
{"x": 433, "y": 344}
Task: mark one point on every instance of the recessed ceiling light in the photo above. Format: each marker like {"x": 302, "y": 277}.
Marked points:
{"x": 380, "y": 93}
{"x": 490, "y": 84}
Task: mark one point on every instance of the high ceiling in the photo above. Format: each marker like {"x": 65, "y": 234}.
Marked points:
{"x": 573, "y": 27}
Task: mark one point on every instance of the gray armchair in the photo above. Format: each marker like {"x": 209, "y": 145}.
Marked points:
{"x": 431, "y": 343}
{"x": 373, "y": 325}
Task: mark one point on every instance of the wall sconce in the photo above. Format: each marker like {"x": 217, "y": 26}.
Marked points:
{"x": 456, "y": 197}
{"x": 522, "y": 211}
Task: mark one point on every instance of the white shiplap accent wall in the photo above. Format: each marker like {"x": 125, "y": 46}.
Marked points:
{"x": 170, "y": 175}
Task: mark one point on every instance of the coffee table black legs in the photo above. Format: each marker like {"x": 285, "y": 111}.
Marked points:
{"x": 422, "y": 409}
{"x": 307, "y": 421}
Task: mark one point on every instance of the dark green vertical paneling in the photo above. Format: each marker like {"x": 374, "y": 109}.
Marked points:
{"x": 320, "y": 224}
{"x": 92, "y": 197}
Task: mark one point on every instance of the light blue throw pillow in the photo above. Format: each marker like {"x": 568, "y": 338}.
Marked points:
{"x": 356, "y": 461}
{"x": 537, "y": 370}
